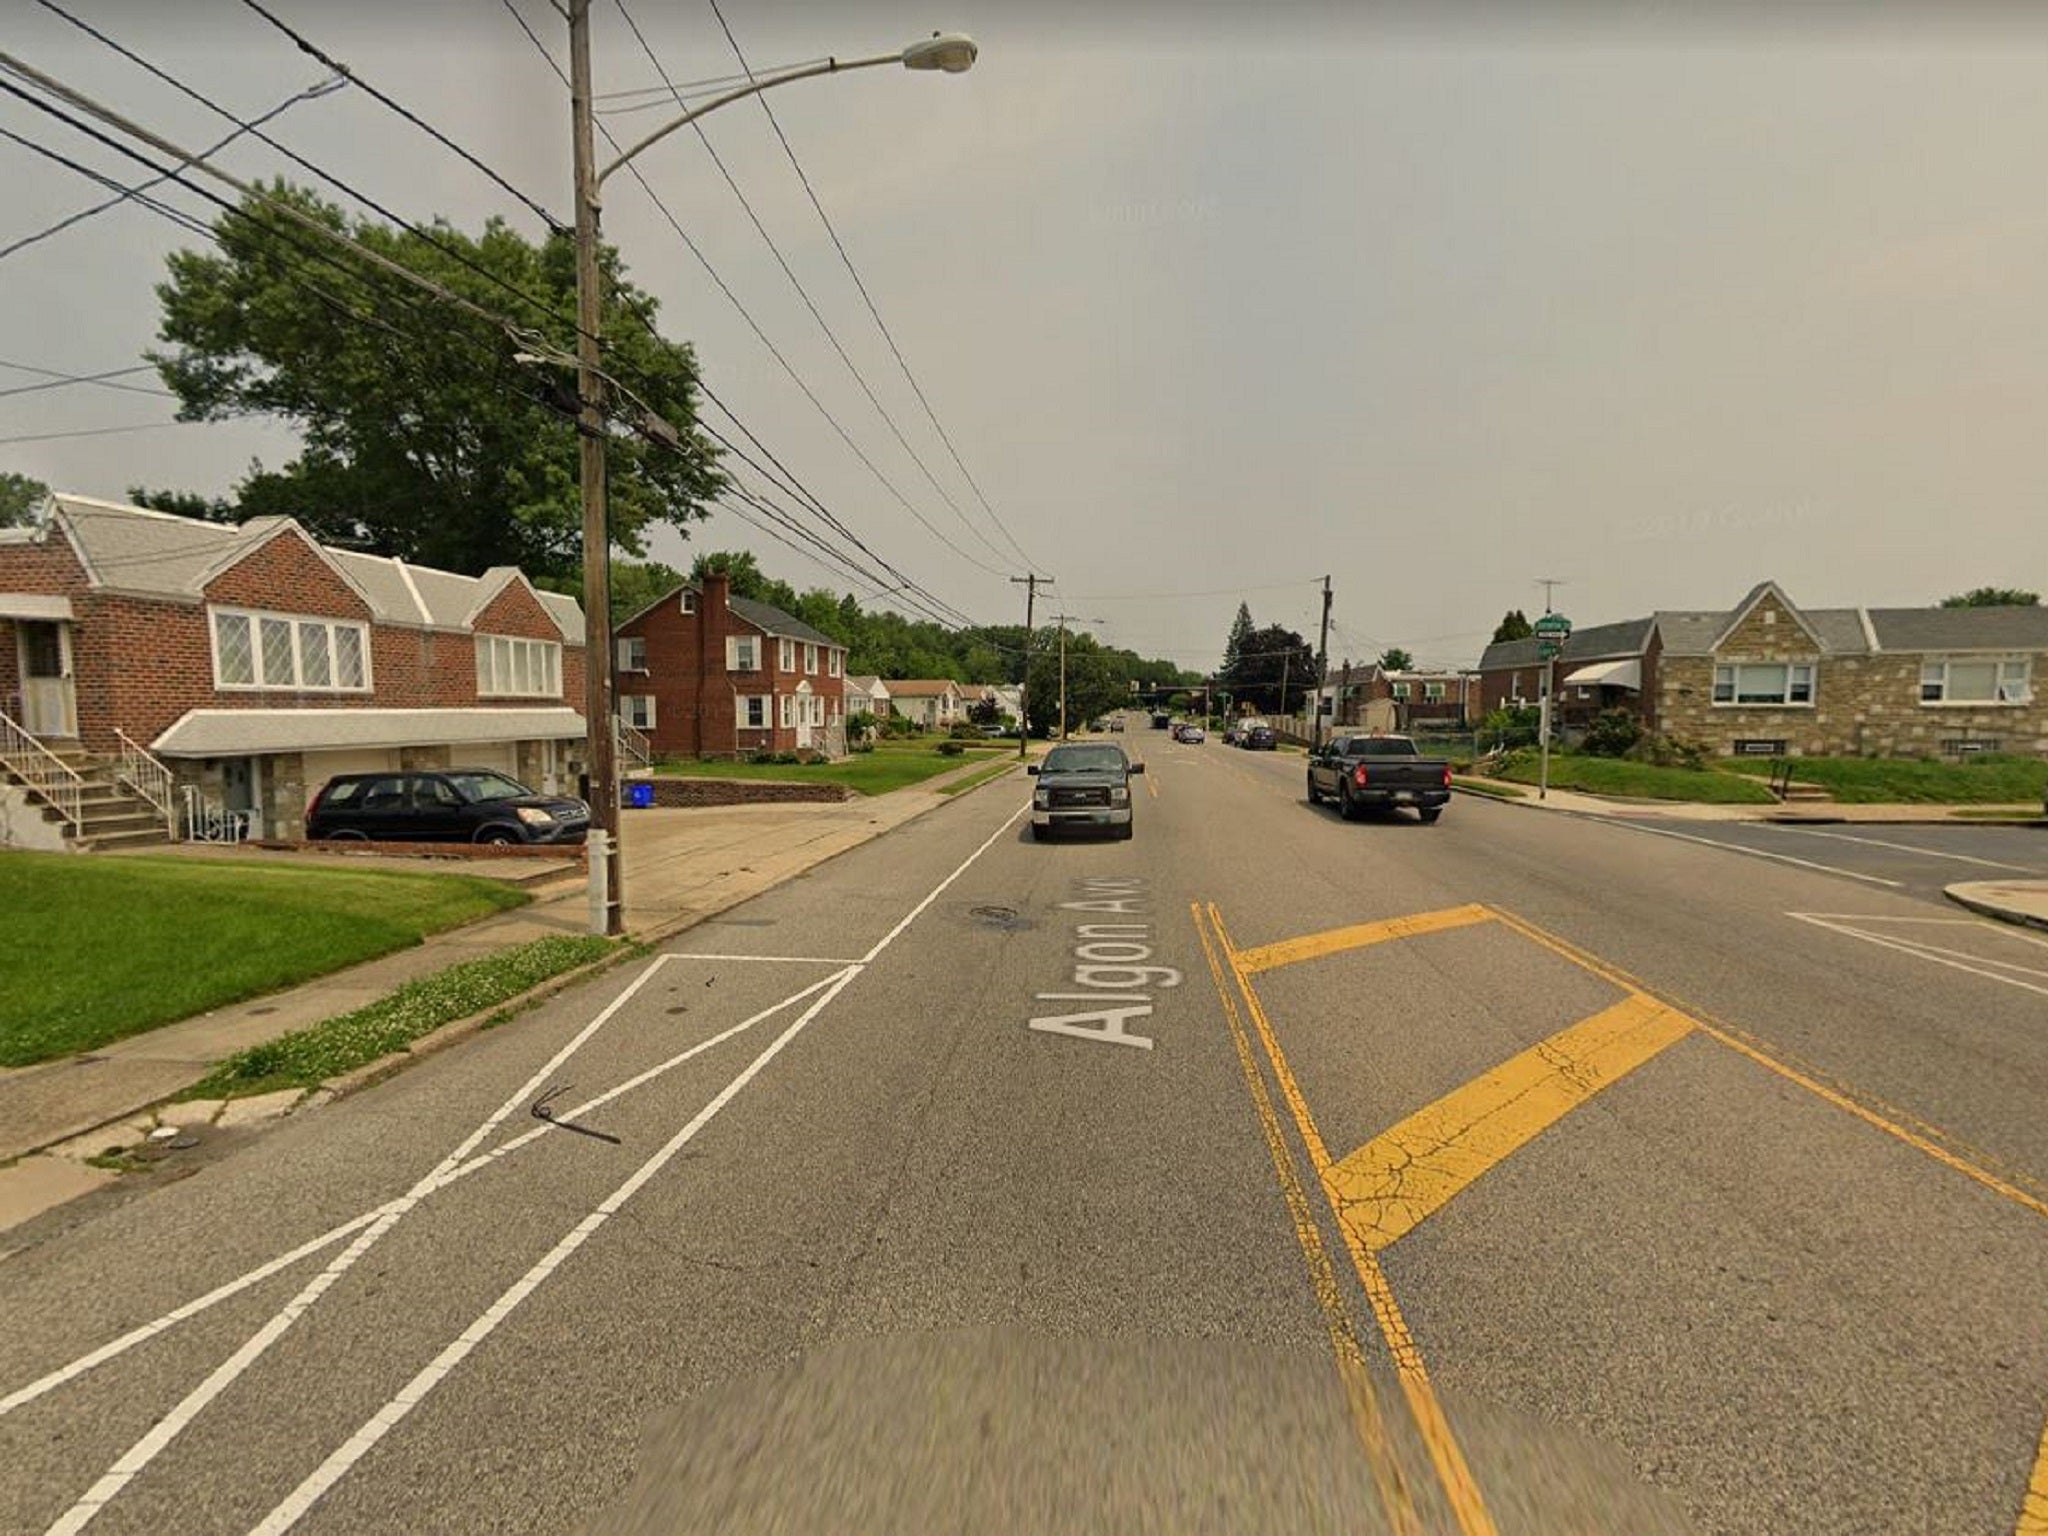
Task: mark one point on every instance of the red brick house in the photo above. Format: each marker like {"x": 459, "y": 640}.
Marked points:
{"x": 705, "y": 674}
{"x": 237, "y": 668}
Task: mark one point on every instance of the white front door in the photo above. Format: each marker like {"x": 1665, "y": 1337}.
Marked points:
{"x": 49, "y": 700}
{"x": 804, "y": 701}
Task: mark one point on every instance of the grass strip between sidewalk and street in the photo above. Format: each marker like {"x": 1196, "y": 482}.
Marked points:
{"x": 104, "y": 948}
{"x": 1641, "y": 781}
{"x": 305, "y": 1058}
{"x": 867, "y": 773}
{"x": 976, "y": 780}
{"x": 1988, "y": 779}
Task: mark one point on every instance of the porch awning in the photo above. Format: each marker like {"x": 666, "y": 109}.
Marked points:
{"x": 1610, "y": 674}
{"x": 246, "y": 732}
{"x": 34, "y": 605}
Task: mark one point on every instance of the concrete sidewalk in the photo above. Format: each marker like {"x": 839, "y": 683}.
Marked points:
{"x": 2012, "y": 901}
{"x": 681, "y": 867}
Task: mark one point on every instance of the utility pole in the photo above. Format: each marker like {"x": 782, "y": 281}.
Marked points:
{"x": 1063, "y": 620}
{"x": 1030, "y": 586}
{"x": 1315, "y": 731}
{"x": 607, "y": 884}
{"x": 1285, "y": 658}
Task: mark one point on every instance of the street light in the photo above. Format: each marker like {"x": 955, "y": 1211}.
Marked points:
{"x": 946, "y": 52}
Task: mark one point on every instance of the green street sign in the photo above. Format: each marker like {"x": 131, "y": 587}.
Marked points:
{"x": 1547, "y": 650}
{"x": 1553, "y": 624}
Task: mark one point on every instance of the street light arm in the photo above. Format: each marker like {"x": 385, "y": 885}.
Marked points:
{"x": 753, "y": 88}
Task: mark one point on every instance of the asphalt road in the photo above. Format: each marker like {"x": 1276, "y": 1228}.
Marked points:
{"x": 970, "y": 1183}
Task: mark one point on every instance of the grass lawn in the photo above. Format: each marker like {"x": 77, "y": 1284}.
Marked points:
{"x": 1987, "y": 780}
{"x": 892, "y": 765}
{"x": 1643, "y": 781}
{"x": 104, "y": 948}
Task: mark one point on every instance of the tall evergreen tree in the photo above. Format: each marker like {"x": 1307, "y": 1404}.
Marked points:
{"x": 1240, "y": 632}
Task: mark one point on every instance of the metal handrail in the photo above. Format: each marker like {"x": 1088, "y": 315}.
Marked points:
{"x": 43, "y": 771}
{"x": 633, "y": 742}
{"x": 148, "y": 777}
{"x": 209, "y": 822}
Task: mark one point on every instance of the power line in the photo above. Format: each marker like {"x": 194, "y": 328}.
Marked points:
{"x": 308, "y": 47}
{"x": 453, "y": 252}
{"x": 639, "y": 313}
{"x": 126, "y": 194}
{"x": 851, "y": 271}
{"x": 140, "y": 426}
{"x": 59, "y": 380}
{"x": 825, "y": 326}
{"x": 1115, "y": 597}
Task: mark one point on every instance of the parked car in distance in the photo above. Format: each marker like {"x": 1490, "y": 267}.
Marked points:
{"x": 452, "y": 805}
{"x": 1083, "y": 787}
{"x": 1381, "y": 773}
{"x": 1193, "y": 735}
{"x": 1259, "y": 737}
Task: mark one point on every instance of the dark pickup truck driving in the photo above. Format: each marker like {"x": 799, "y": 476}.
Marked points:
{"x": 1364, "y": 773}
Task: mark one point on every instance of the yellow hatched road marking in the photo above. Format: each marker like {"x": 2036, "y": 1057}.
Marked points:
{"x": 1452, "y": 1470}
{"x": 2034, "y": 1507}
{"x": 1396, "y": 1181}
{"x": 1314, "y": 946}
{"x": 1366, "y": 1415}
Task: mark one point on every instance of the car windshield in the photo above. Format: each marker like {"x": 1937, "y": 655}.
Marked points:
{"x": 487, "y": 786}
{"x": 1084, "y": 760}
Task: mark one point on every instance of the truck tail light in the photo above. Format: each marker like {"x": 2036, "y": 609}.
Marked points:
{"x": 1447, "y": 775}
{"x": 1358, "y": 777}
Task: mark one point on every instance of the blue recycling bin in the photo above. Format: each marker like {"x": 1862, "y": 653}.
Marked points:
{"x": 639, "y": 794}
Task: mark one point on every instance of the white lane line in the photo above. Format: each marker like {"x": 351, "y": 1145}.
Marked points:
{"x": 1936, "y": 956}
{"x": 1754, "y": 853}
{"x": 1925, "y": 853}
{"x": 1985, "y": 925}
{"x": 295, "y": 1505}
{"x": 229, "y": 1289}
{"x": 171, "y": 1425}
{"x": 302, "y": 1498}
{"x": 771, "y": 959}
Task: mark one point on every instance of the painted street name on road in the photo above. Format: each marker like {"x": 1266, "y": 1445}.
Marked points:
{"x": 1110, "y": 954}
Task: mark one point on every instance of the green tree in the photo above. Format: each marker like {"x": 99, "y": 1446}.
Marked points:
{"x": 1993, "y": 597}
{"x": 634, "y": 585}
{"x": 1394, "y": 659}
{"x": 1095, "y": 685}
{"x": 208, "y": 509}
{"x": 1276, "y": 669}
{"x": 1240, "y": 632}
{"x": 19, "y": 498}
{"x": 1514, "y": 625}
{"x": 422, "y": 436}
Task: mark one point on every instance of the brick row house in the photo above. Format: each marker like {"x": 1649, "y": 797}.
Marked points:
{"x": 705, "y": 674}
{"x": 1419, "y": 699}
{"x": 252, "y": 663}
{"x": 1768, "y": 676}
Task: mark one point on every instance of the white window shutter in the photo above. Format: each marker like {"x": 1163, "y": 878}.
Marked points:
{"x": 732, "y": 653}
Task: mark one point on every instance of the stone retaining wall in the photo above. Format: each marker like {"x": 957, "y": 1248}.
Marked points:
{"x": 676, "y": 793}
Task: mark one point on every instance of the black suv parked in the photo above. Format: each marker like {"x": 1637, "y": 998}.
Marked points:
{"x": 454, "y": 805}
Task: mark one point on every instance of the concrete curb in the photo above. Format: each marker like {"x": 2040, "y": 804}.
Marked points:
{"x": 1992, "y": 909}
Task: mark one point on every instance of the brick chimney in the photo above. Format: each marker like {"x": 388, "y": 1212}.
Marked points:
{"x": 717, "y": 592}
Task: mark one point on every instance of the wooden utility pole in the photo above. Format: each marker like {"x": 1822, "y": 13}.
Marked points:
{"x": 1315, "y": 729}
{"x": 600, "y": 750}
{"x": 1030, "y": 586}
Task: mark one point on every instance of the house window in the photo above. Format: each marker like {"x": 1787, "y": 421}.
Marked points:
{"x": 270, "y": 650}
{"x": 632, "y": 653}
{"x": 835, "y": 663}
{"x": 1773, "y": 682}
{"x": 637, "y": 710}
{"x": 511, "y": 668}
{"x": 742, "y": 653}
{"x": 754, "y": 709}
{"x": 785, "y": 655}
{"x": 784, "y": 712}
{"x": 811, "y": 660}
{"x": 689, "y": 602}
{"x": 1433, "y": 693}
{"x": 1976, "y": 680}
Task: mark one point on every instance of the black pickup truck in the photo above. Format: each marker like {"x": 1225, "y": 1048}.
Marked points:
{"x": 1363, "y": 773}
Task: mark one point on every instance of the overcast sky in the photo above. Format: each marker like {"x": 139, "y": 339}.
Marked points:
{"x": 1215, "y": 299}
